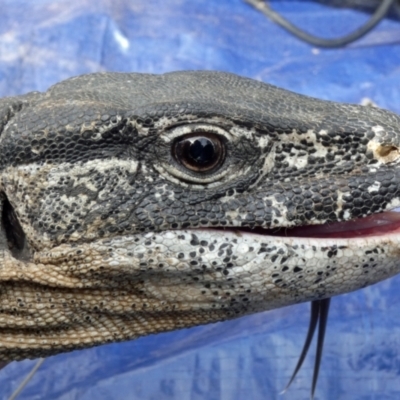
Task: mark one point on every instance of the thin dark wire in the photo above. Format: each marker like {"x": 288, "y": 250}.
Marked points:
{"x": 323, "y": 319}
{"x": 319, "y": 315}
{"x": 376, "y": 17}
{"x": 315, "y": 307}
{"x": 396, "y": 7}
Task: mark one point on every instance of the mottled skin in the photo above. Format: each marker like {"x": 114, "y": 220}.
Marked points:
{"x": 106, "y": 235}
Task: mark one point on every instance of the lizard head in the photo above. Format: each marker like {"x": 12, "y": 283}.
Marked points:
{"x": 134, "y": 204}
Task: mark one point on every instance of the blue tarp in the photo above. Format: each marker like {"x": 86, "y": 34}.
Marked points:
{"x": 45, "y": 41}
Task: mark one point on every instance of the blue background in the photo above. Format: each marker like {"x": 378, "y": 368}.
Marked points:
{"x": 251, "y": 358}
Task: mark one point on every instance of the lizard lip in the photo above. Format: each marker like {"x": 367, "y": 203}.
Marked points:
{"x": 373, "y": 225}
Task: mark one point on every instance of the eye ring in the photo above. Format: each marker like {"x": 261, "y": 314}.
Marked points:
{"x": 199, "y": 152}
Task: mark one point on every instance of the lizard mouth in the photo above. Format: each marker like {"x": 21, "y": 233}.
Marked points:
{"x": 373, "y": 225}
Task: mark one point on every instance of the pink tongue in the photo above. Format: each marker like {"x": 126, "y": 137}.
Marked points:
{"x": 373, "y": 225}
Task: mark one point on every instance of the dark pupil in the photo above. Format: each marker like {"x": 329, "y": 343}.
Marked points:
{"x": 202, "y": 151}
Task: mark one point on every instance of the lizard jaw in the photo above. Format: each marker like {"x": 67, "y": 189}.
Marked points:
{"x": 372, "y": 225}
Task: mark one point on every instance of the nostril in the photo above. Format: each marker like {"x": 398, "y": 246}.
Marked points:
{"x": 14, "y": 233}
{"x": 387, "y": 151}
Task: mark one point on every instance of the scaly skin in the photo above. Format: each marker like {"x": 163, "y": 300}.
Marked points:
{"x": 107, "y": 236}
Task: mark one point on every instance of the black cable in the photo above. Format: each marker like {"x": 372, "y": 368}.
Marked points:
{"x": 323, "y": 319}
{"x": 377, "y": 17}
{"x": 314, "y": 318}
{"x": 396, "y": 7}
{"x": 319, "y": 315}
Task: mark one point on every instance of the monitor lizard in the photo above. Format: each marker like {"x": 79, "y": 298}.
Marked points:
{"x": 134, "y": 204}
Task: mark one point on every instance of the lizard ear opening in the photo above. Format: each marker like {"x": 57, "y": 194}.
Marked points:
{"x": 12, "y": 230}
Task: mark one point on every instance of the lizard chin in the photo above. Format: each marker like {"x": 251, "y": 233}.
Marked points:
{"x": 373, "y": 225}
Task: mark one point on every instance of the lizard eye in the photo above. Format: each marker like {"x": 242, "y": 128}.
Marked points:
{"x": 200, "y": 152}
